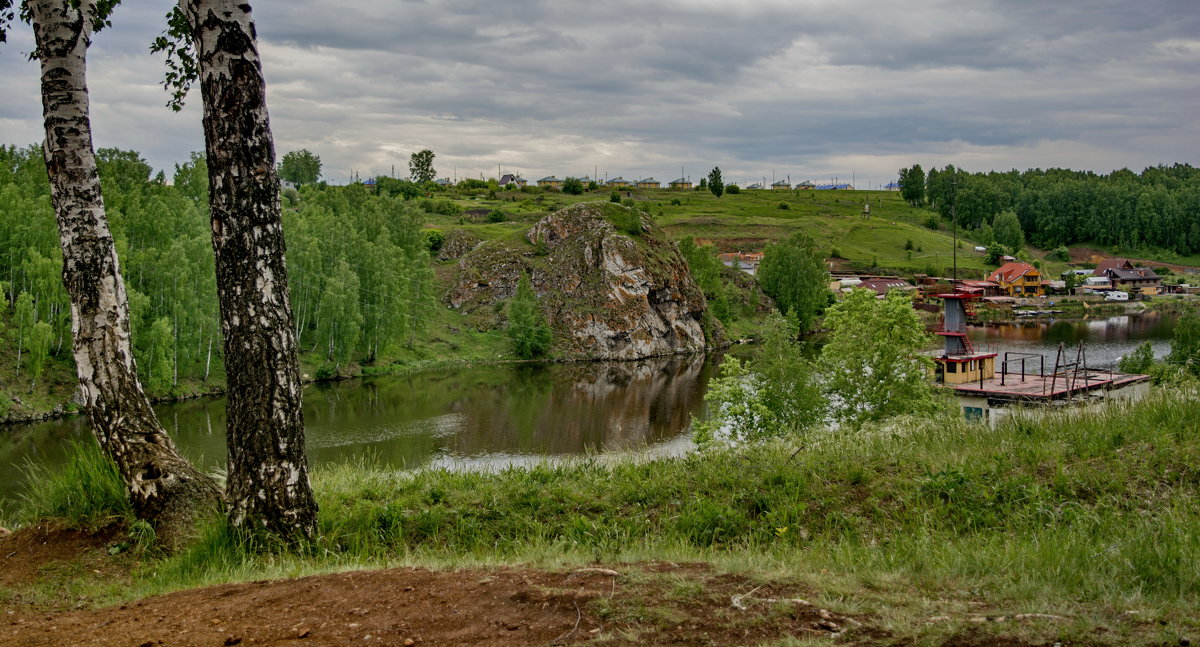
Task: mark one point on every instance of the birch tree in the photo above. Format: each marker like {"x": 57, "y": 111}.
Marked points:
{"x": 163, "y": 487}
{"x": 214, "y": 41}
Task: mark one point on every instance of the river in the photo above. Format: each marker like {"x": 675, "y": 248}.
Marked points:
{"x": 493, "y": 416}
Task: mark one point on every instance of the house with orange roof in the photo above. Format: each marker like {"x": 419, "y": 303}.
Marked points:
{"x": 1018, "y": 279}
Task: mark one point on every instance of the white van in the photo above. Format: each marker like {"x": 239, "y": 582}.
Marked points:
{"x": 1116, "y": 295}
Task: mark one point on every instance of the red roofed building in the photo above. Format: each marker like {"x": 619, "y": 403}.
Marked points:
{"x": 1018, "y": 279}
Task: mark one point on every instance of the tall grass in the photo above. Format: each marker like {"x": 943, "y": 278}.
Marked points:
{"x": 85, "y": 492}
{"x": 1088, "y": 505}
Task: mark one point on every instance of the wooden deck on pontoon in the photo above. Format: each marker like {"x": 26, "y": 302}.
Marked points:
{"x": 1046, "y": 387}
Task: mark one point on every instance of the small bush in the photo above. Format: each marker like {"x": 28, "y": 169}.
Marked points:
{"x": 614, "y": 197}
{"x": 782, "y": 205}
{"x": 676, "y": 202}
{"x": 733, "y": 189}
{"x": 434, "y": 239}
{"x": 932, "y": 222}
{"x": 86, "y": 492}
{"x": 291, "y": 195}
{"x": 909, "y": 245}
{"x": 496, "y": 215}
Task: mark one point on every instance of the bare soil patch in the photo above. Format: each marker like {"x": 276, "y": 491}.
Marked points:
{"x": 1089, "y": 255}
{"x": 657, "y": 603}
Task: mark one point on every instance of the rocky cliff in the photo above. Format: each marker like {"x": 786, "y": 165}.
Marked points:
{"x": 609, "y": 281}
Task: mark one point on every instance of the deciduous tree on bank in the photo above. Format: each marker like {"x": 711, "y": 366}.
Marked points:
{"x": 420, "y": 166}
{"x": 268, "y": 486}
{"x": 300, "y": 167}
{"x": 793, "y": 273}
{"x": 163, "y": 487}
{"x": 872, "y": 365}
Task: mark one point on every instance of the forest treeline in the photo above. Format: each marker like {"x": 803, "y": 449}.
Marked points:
{"x": 1157, "y": 209}
{"x": 361, "y": 281}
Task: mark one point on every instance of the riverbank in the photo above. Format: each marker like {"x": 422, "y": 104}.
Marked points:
{"x": 1079, "y": 307}
{"x": 1080, "y": 527}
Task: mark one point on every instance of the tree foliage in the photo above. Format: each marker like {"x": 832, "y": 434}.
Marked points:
{"x": 1007, "y": 231}
{"x": 912, "y": 185}
{"x": 872, "y": 365}
{"x": 715, "y": 184}
{"x": 1140, "y": 360}
{"x": 572, "y": 186}
{"x": 1158, "y": 209}
{"x": 420, "y": 166}
{"x": 706, "y": 272}
{"x": 1185, "y": 345}
{"x": 163, "y": 236}
{"x": 793, "y": 273}
{"x": 300, "y": 167}
{"x": 526, "y": 323}
{"x": 774, "y": 395}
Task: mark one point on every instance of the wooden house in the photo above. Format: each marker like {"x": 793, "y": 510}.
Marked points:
{"x": 681, "y": 183}
{"x": 649, "y": 183}
{"x": 551, "y": 182}
{"x": 1018, "y": 280}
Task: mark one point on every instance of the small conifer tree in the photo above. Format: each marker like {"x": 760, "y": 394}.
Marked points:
{"x": 526, "y": 323}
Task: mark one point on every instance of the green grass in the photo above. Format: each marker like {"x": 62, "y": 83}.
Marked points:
{"x": 1083, "y": 512}
{"x": 86, "y": 492}
{"x": 751, "y": 219}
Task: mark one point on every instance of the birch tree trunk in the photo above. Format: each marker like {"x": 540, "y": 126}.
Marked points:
{"x": 164, "y": 488}
{"x": 268, "y": 487}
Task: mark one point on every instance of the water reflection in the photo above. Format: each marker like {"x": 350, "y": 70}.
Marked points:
{"x": 492, "y": 415}
{"x": 1106, "y": 340}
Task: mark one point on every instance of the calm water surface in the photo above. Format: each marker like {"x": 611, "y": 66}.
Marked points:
{"x": 463, "y": 418}
{"x": 487, "y": 417}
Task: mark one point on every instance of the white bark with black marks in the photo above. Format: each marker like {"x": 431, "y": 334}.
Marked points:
{"x": 164, "y": 488}
{"x": 268, "y": 486}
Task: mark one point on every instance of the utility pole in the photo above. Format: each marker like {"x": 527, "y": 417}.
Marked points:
{"x": 954, "y": 223}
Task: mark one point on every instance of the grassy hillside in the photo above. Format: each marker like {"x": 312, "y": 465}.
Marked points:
{"x": 750, "y": 220}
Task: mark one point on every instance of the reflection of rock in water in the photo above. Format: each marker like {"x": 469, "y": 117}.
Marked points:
{"x": 592, "y": 406}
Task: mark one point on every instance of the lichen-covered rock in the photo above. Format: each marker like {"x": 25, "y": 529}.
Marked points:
{"x": 457, "y": 243}
{"x": 610, "y": 283}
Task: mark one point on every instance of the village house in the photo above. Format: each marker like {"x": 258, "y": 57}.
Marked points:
{"x": 618, "y": 182}
{"x": 805, "y": 186}
{"x": 754, "y": 187}
{"x": 551, "y": 182}
{"x": 1018, "y": 280}
{"x": 649, "y": 183}
{"x": 782, "y": 185}
{"x": 1122, "y": 275}
{"x": 681, "y": 183}
{"x": 509, "y": 178}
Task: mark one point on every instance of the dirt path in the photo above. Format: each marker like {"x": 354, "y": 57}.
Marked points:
{"x": 645, "y": 604}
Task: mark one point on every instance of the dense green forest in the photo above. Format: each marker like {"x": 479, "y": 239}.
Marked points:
{"x": 360, "y": 274}
{"x": 1158, "y": 209}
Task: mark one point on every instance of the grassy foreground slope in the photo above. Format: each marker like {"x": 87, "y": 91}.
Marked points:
{"x": 924, "y": 528}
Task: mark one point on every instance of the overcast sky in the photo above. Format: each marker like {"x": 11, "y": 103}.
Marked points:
{"x": 803, "y": 89}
